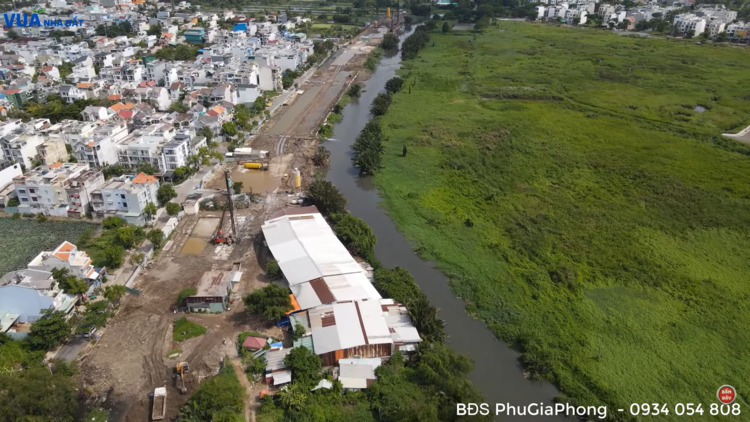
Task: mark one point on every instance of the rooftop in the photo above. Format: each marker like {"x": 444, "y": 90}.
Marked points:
{"x": 214, "y": 283}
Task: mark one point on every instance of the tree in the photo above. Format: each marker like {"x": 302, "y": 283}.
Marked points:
{"x": 237, "y": 187}
{"x": 218, "y": 399}
{"x": 178, "y": 106}
{"x": 293, "y": 396}
{"x": 150, "y": 210}
{"x": 272, "y": 302}
{"x": 137, "y": 258}
{"x": 380, "y": 104}
{"x": 156, "y": 237}
{"x": 355, "y": 234}
{"x": 129, "y": 236}
{"x": 368, "y": 149}
{"x": 173, "y": 209}
{"x": 326, "y": 197}
{"x": 390, "y": 41}
{"x": 184, "y": 294}
{"x": 354, "y": 91}
{"x": 69, "y": 283}
{"x": 394, "y": 85}
{"x": 305, "y": 366}
{"x": 272, "y": 269}
{"x": 114, "y": 293}
{"x": 165, "y": 193}
{"x": 446, "y": 28}
{"x": 49, "y": 331}
{"x": 229, "y": 129}
{"x": 321, "y": 156}
{"x": 113, "y": 255}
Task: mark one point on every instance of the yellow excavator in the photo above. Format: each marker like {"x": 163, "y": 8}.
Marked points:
{"x": 180, "y": 370}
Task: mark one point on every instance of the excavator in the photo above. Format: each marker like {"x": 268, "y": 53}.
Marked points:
{"x": 180, "y": 370}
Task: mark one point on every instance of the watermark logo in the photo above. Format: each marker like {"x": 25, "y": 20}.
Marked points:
{"x": 726, "y": 394}
{"x": 34, "y": 19}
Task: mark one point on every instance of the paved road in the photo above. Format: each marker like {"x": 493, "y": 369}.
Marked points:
{"x": 69, "y": 352}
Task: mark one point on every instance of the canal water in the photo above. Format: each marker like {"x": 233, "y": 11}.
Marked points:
{"x": 496, "y": 372}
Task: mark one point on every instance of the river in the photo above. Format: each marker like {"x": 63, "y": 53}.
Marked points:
{"x": 497, "y": 372}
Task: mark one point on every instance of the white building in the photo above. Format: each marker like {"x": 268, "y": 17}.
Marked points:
{"x": 126, "y": 197}
{"x": 146, "y": 146}
{"x": 60, "y": 189}
{"x": 21, "y": 142}
{"x": 67, "y": 255}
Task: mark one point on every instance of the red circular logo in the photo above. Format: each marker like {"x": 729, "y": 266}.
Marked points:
{"x": 726, "y": 394}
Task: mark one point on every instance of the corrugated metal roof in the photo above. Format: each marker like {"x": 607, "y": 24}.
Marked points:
{"x": 337, "y": 288}
{"x": 306, "y": 342}
{"x": 282, "y": 377}
{"x": 306, "y": 248}
{"x": 275, "y": 359}
{"x": 354, "y": 373}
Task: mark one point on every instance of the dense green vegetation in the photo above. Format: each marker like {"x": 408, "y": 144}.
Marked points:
{"x": 580, "y": 205}
{"x": 26, "y": 238}
{"x": 219, "y": 398}
{"x": 356, "y": 235}
{"x": 31, "y": 390}
{"x": 272, "y": 302}
{"x": 184, "y": 329}
{"x": 108, "y": 249}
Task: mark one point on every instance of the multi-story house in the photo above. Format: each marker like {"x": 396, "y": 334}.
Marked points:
{"x": 99, "y": 150}
{"x": 83, "y": 68}
{"x": 51, "y": 151}
{"x": 146, "y": 146}
{"x": 68, "y": 256}
{"x": 70, "y": 93}
{"x": 20, "y": 144}
{"x": 176, "y": 152}
{"x": 57, "y": 189}
{"x": 126, "y": 197}
{"x": 155, "y": 70}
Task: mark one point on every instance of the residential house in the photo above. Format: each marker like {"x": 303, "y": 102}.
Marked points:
{"x": 70, "y": 93}
{"x": 24, "y": 294}
{"x": 57, "y": 189}
{"x": 126, "y": 197}
{"x": 68, "y": 256}
{"x": 51, "y": 72}
{"x": 20, "y": 145}
{"x": 94, "y": 113}
{"x": 195, "y": 36}
{"x": 52, "y": 151}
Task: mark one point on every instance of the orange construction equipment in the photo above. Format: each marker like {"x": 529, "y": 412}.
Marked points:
{"x": 180, "y": 370}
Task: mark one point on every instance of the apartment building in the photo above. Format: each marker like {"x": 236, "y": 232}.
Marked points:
{"x": 57, "y": 189}
{"x": 126, "y": 197}
{"x": 146, "y": 146}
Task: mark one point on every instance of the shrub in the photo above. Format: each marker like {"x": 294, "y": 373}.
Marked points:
{"x": 355, "y": 234}
{"x": 272, "y": 302}
{"x": 326, "y": 197}
{"x": 272, "y": 269}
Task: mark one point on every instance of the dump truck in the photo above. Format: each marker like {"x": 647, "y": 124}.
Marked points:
{"x": 159, "y": 408}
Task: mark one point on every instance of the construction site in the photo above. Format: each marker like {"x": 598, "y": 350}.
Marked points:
{"x": 136, "y": 353}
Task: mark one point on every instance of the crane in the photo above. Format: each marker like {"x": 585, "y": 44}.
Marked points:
{"x": 219, "y": 237}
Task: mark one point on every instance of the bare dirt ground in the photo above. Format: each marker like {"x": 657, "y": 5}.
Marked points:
{"x": 136, "y": 352}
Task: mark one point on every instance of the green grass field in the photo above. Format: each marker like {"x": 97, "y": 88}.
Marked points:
{"x": 581, "y": 207}
{"x": 24, "y": 239}
{"x": 184, "y": 329}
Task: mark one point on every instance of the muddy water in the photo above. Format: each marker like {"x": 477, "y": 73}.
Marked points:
{"x": 497, "y": 371}
{"x": 194, "y": 246}
{"x": 257, "y": 180}
{"x": 205, "y": 227}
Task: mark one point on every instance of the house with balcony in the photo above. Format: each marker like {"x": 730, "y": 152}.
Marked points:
{"x": 21, "y": 145}
{"x": 68, "y": 256}
{"x": 70, "y": 93}
{"x": 57, "y": 189}
{"x": 126, "y": 197}
{"x": 195, "y": 36}
{"x": 51, "y": 151}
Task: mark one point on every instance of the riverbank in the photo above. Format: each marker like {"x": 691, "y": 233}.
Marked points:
{"x": 580, "y": 206}
{"x": 496, "y": 370}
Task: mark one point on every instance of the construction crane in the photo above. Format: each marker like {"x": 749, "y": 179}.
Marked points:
{"x": 180, "y": 370}
{"x": 220, "y": 237}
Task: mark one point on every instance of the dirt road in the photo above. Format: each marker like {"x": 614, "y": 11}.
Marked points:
{"x": 136, "y": 352}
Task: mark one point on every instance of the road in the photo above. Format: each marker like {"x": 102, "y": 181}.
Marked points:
{"x": 69, "y": 351}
